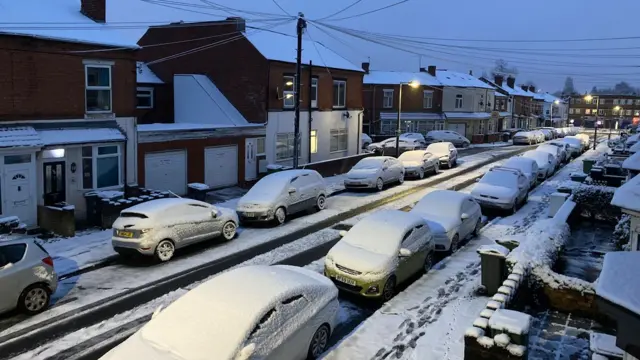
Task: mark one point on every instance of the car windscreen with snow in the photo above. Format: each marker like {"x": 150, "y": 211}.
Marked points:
{"x": 542, "y": 158}
{"x": 368, "y": 164}
{"x": 500, "y": 178}
{"x": 373, "y": 236}
{"x": 522, "y": 164}
{"x": 439, "y": 149}
{"x": 416, "y": 155}
{"x": 268, "y": 188}
{"x": 439, "y": 203}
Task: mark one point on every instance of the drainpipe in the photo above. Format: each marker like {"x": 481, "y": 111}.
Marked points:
{"x": 309, "y": 103}
{"x": 358, "y": 142}
{"x": 373, "y": 108}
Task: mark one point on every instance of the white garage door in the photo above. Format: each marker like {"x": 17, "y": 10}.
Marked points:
{"x": 459, "y": 128}
{"x": 166, "y": 171}
{"x": 221, "y": 166}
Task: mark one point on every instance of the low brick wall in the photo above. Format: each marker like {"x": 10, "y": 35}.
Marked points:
{"x": 473, "y": 350}
{"x": 336, "y": 166}
{"x": 57, "y": 220}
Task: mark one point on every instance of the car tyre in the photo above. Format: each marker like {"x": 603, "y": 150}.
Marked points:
{"x": 465, "y": 145}
{"x": 401, "y": 179}
{"x": 455, "y": 244}
{"x": 280, "y": 215}
{"x": 476, "y": 229}
{"x": 389, "y": 289}
{"x": 428, "y": 262}
{"x": 421, "y": 174}
{"x": 321, "y": 202}
{"x": 514, "y": 209}
{"x": 229, "y": 230}
{"x": 165, "y": 250}
{"x": 436, "y": 168}
{"x": 34, "y": 299}
{"x": 319, "y": 342}
{"x": 379, "y": 184}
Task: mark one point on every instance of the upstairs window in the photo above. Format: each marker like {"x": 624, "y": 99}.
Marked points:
{"x": 459, "y": 103}
{"x": 427, "y": 99}
{"x": 145, "y": 98}
{"x": 387, "y": 98}
{"x": 98, "y": 88}
{"x": 339, "y": 93}
{"x": 314, "y": 92}
{"x": 288, "y": 92}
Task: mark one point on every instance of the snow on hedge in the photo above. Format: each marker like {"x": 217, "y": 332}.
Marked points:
{"x": 558, "y": 281}
{"x": 540, "y": 245}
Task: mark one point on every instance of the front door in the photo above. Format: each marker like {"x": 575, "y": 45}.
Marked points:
{"x": 19, "y": 198}
{"x": 54, "y": 182}
{"x": 250, "y": 163}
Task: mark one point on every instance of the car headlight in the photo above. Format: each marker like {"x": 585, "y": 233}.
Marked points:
{"x": 144, "y": 231}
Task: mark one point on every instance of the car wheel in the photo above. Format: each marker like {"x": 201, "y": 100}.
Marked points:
{"x": 280, "y": 215}
{"x": 389, "y": 290}
{"x": 465, "y": 145}
{"x": 436, "y": 168}
{"x": 428, "y": 262}
{"x": 421, "y": 174}
{"x": 165, "y": 250}
{"x": 229, "y": 230}
{"x": 450, "y": 164}
{"x": 401, "y": 179}
{"x": 321, "y": 202}
{"x": 476, "y": 230}
{"x": 455, "y": 243}
{"x": 514, "y": 209}
{"x": 455, "y": 162}
{"x": 319, "y": 342}
{"x": 34, "y": 299}
{"x": 379, "y": 184}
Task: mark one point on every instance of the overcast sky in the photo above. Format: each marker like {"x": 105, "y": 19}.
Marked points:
{"x": 422, "y": 27}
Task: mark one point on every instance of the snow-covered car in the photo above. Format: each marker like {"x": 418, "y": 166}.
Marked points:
{"x": 538, "y": 135}
{"x": 445, "y": 152}
{"x": 524, "y": 138}
{"x": 452, "y": 217}
{"x": 159, "y": 227}
{"x": 546, "y": 162}
{"x": 366, "y": 141}
{"x": 501, "y": 188}
{"x": 565, "y": 149}
{"x": 281, "y": 194}
{"x": 252, "y": 312}
{"x": 447, "y": 136}
{"x": 632, "y": 140}
{"x": 529, "y": 167}
{"x": 374, "y": 173}
{"x": 388, "y": 146}
{"x": 417, "y": 163}
{"x": 554, "y": 131}
{"x": 548, "y": 134}
{"x": 414, "y": 136}
{"x": 27, "y": 276}
{"x": 575, "y": 144}
{"x": 379, "y": 252}
{"x": 586, "y": 141}
{"x": 555, "y": 151}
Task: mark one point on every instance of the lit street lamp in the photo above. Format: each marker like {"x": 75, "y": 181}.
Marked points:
{"x": 595, "y": 133}
{"x": 414, "y": 84}
{"x": 619, "y": 110}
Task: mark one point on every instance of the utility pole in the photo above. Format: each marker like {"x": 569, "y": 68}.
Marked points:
{"x": 399, "y": 129}
{"x": 309, "y": 103}
{"x": 301, "y": 25}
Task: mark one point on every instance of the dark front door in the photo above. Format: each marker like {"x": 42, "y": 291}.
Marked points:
{"x": 54, "y": 182}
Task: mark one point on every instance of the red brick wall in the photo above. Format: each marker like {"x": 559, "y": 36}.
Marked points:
{"x": 162, "y": 111}
{"x": 39, "y": 79}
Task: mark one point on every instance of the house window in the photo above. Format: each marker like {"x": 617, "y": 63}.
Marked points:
{"x": 313, "y": 141}
{"x": 587, "y": 111}
{"x": 615, "y": 101}
{"x": 587, "y": 101}
{"x": 636, "y": 113}
{"x": 602, "y": 101}
{"x": 481, "y": 127}
{"x": 577, "y": 111}
{"x": 578, "y": 101}
{"x": 628, "y": 112}
{"x": 387, "y": 98}
{"x": 491, "y": 126}
{"x": 288, "y": 93}
{"x": 338, "y": 141}
{"x": 101, "y": 166}
{"x": 427, "y": 99}
{"x": 339, "y": 93}
{"x": 439, "y": 125}
{"x": 601, "y": 112}
{"x": 98, "y": 88}
{"x": 17, "y": 159}
{"x": 570, "y": 111}
{"x": 637, "y": 102}
{"x": 314, "y": 92}
{"x": 458, "y": 101}
{"x": 285, "y": 145}
{"x": 629, "y": 102}
{"x": 260, "y": 148}
{"x": 145, "y": 98}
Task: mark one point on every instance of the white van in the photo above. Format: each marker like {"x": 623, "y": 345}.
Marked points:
{"x": 281, "y": 194}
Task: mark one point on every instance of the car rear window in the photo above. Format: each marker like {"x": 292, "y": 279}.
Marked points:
{"x": 41, "y": 247}
{"x": 133, "y": 215}
{"x": 12, "y": 253}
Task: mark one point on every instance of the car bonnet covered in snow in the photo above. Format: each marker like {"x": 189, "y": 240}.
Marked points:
{"x": 213, "y": 320}
{"x": 521, "y": 163}
{"x": 541, "y": 157}
{"x": 412, "y": 158}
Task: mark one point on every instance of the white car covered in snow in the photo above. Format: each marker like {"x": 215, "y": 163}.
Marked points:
{"x": 546, "y": 162}
{"x": 529, "y": 167}
{"x": 445, "y": 152}
{"x": 576, "y": 145}
{"x": 379, "y": 252}
{"x": 366, "y": 141}
{"x": 555, "y": 151}
{"x": 388, "y": 146}
{"x": 252, "y": 312}
{"x": 374, "y": 173}
{"x": 524, "y": 138}
{"x": 452, "y": 217}
{"x": 502, "y": 188}
{"x": 159, "y": 227}
{"x": 447, "y": 136}
{"x": 565, "y": 150}
{"x": 417, "y": 163}
{"x": 281, "y": 194}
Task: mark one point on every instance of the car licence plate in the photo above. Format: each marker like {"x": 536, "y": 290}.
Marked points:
{"x": 346, "y": 280}
{"x": 125, "y": 234}
{"x": 250, "y": 215}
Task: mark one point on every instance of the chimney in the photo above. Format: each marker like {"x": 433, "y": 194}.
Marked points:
{"x": 365, "y": 67}
{"x": 499, "y": 79}
{"x": 511, "y": 82}
{"x": 424, "y": 70}
{"x": 524, "y": 87}
{"x": 95, "y": 10}
{"x": 239, "y": 22}
{"x": 471, "y": 72}
{"x": 431, "y": 70}
{"x": 532, "y": 89}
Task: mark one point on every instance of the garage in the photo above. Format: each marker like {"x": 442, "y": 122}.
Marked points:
{"x": 459, "y": 128}
{"x": 166, "y": 171}
{"x": 221, "y": 166}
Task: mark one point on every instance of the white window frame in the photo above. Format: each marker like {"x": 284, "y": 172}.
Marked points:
{"x": 601, "y": 112}
{"x": 387, "y": 98}
{"x": 292, "y": 92}
{"x": 481, "y": 127}
{"x": 314, "y": 84}
{"x": 96, "y": 88}
{"x": 150, "y": 96}
{"x": 339, "y": 83}
{"x": 627, "y": 112}
{"x": 637, "y": 101}
{"x": 577, "y": 111}
{"x": 570, "y": 110}
{"x": 264, "y": 146}
{"x": 290, "y": 137}
{"x": 337, "y": 133}
{"x": 427, "y": 99}
{"x": 439, "y": 125}
{"x": 459, "y": 102}
{"x": 629, "y": 101}
{"x": 602, "y": 101}
{"x": 94, "y": 165}
{"x": 313, "y": 141}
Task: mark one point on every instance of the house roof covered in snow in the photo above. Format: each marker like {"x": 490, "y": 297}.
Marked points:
{"x": 458, "y": 79}
{"x": 550, "y": 98}
{"x": 22, "y": 136}
{"x": 144, "y": 75}
{"x": 277, "y": 46}
{"x": 618, "y": 282}
{"x": 31, "y": 18}
{"x": 397, "y": 77}
{"x": 499, "y": 94}
{"x": 632, "y": 162}
{"x": 627, "y": 196}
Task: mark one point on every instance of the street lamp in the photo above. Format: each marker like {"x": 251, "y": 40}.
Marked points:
{"x": 414, "y": 84}
{"x": 619, "y": 110}
{"x": 595, "y": 133}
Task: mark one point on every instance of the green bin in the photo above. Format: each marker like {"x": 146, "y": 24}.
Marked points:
{"x": 587, "y": 164}
{"x": 493, "y": 266}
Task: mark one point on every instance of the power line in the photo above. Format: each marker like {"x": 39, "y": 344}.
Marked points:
{"x": 341, "y": 10}
{"x": 371, "y": 11}
{"x": 280, "y": 7}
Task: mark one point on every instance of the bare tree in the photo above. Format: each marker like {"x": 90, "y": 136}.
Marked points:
{"x": 502, "y": 68}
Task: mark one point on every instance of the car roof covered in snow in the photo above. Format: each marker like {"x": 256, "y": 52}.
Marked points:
{"x": 158, "y": 205}
{"x": 632, "y": 162}
{"x": 519, "y": 159}
{"x": 287, "y": 175}
{"x": 627, "y": 196}
{"x": 390, "y": 223}
{"x": 217, "y": 316}
{"x": 618, "y": 281}
{"x": 441, "y": 197}
{"x": 535, "y": 154}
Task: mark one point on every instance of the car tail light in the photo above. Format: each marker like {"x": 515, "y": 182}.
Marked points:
{"x": 48, "y": 260}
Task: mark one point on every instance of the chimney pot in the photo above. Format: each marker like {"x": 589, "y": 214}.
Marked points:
{"x": 95, "y": 10}
{"x": 365, "y": 67}
{"x": 423, "y": 69}
{"x": 532, "y": 88}
{"x": 471, "y": 72}
{"x": 431, "y": 69}
{"x": 499, "y": 79}
{"x": 511, "y": 82}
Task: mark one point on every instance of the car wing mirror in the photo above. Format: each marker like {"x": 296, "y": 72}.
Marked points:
{"x": 343, "y": 233}
{"x": 292, "y": 190}
{"x": 7, "y": 266}
{"x": 464, "y": 216}
{"x": 214, "y": 213}
{"x": 405, "y": 252}
{"x": 246, "y": 352}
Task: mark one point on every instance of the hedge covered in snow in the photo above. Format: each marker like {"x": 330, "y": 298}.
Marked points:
{"x": 595, "y": 201}
{"x": 540, "y": 245}
{"x": 621, "y": 233}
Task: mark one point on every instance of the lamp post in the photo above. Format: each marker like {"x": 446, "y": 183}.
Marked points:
{"x": 414, "y": 84}
{"x": 619, "y": 110}
{"x": 595, "y": 131}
